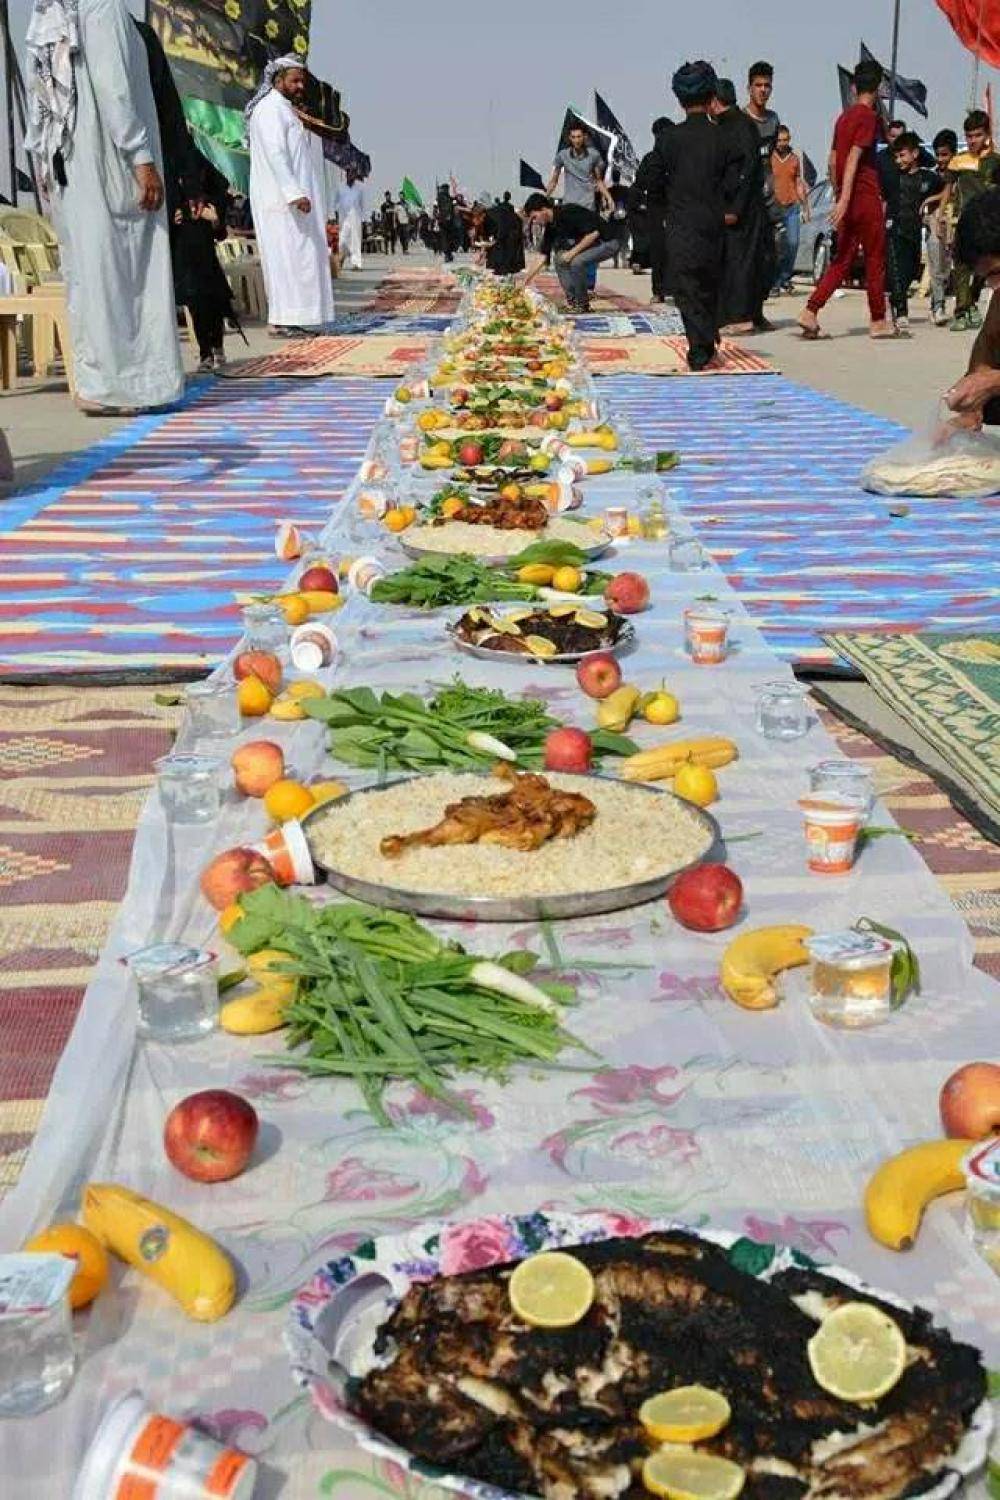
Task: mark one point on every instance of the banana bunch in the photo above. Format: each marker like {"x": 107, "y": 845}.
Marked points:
{"x": 167, "y": 1249}
{"x": 664, "y": 761}
{"x": 752, "y": 962}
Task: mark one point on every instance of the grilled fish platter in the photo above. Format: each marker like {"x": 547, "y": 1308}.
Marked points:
{"x": 456, "y": 1379}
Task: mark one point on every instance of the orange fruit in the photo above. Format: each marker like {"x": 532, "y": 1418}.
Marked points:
{"x": 452, "y": 506}
{"x": 294, "y": 608}
{"x": 287, "y": 799}
{"x": 78, "y": 1244}
{"x": 229, "y": 916}
{"x": 696, "y": 784}
{"x": 396, "y": 519}
{"x": 305, "y": 687}
{"x": 253, "y": 697}
{"x": 326, "y": 791}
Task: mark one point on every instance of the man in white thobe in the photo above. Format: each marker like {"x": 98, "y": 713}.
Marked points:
{"x": 94, "y": 136}
{"x": 288, "y": 201}
{"x": 350, "y": 217}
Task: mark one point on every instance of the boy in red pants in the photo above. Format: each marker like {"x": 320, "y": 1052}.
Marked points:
{"x": 859, "y": 214}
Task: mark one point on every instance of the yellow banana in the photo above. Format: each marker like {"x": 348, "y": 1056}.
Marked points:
{"x": 181, "y": 1259}
{"x": 664, "y": 761}
{"x": 901, "y": 1189}
{"x": 752, "y": 962}
{"x": 321, "y": 601}
{"x": 251, "y": 1015}
{"x": 617, "y": 710}
{"x": 537, "y": 573}
{"x": 285, "y": 707}
{"x": 599, "y": 465}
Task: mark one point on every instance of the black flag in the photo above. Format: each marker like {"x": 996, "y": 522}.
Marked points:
{"x": 845, "y": 77}
{"x": 625, "y": 158}
{"x": 908, "y": 90}
{"x": 530, "y": 178}
{"x": 809, "y": 172}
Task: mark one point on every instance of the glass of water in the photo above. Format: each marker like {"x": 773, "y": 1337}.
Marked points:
{"x": 37, "y": 1355}
{"x": 782, "y": 710}
{"x": 843, "y": 778}
{"x": 213, "y": 709}
{"x": 189, "y": 787}
{"x": 264, "y": 628}
{"x": 178, "y": 991}
{"x": 687, "y": 555}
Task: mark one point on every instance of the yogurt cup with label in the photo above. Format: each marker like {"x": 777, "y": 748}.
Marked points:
{"x": 832, "y": 825}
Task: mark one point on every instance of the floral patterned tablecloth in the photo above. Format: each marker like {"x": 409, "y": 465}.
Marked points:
{"x": 766, "y": 1123}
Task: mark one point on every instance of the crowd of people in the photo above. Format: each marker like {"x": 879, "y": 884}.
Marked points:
{"x": 714, "y": 212}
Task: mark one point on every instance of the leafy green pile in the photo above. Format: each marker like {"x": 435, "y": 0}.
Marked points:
{"x": 380, "y": 997}
{"x": 460, "y": 727}
{"x": 434, "y": 582}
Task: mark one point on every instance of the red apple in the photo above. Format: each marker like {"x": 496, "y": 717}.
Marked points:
{"x": 627, "y": 593}
{"x": 260, "y": 664}
{"x": 568, "y": 750}
{"x": 470, "y": 454}
{"x": 210, "y": 1136}
{"x": 257, "y": 765}
{"x": 706, "y": 898}
{"x": 319, "y": 578}
{"x": 970, "y": 1101}
{"x": 599, "y": 674}
{"x": 231, "y": 873}
{"x": 459, "y": 396}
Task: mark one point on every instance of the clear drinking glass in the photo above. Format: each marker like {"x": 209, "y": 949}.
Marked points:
{"x": 782, "y": 711}
{"x": 178, "y": 991}
{"x": 687, "y": 555}
{"x": 213, "y": 709}
{"x": 189, "y": 787}
{"x": 264, "y": 628}
{"x": 843, "y": 778}
{"x": 37, "y": 1356}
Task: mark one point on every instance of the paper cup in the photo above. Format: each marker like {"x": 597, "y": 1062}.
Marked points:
{"x": 287, "y": 852}
{"x": 313, "y": 646}
{"x": 363, "y": 573}
{"x": 707, "y": 635}
{"x": 616, "y": 520}
{"x": 832, "y": 825}
{"x": 409, "y": 447}
{"x": 372, "y": 470}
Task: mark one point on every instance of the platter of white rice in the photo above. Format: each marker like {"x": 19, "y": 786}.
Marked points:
{"x": 490, "y": 545}
{"x": 639, "y": 840}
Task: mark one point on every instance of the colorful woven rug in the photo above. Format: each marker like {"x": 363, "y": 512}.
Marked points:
{"x": 647, "y": 354}
{"x": 74, "y": 772}
{"x": 601, "y": 300}
{"x": 947, "y": 689}
{"x": 769, "y": 476}
{"x": 124, "y": 565}
{"x": 416, "y": 290}
{"x": 371, "y": 355}
{"x": 962, "y": 859}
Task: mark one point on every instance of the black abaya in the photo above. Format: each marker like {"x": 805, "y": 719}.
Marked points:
{"x": 685, "y": 170}
{"x": 748, "y": 259}
{"x": 506, "y": 229}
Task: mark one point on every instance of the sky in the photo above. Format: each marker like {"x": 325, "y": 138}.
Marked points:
{"x": 466, "y": 87}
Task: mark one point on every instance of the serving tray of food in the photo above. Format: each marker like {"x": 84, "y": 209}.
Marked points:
{"x": 413, "y": 1345}
{"x": 509, "y": 847}
{"x": 496, "y": 531}
{"x": 557, "y": 634}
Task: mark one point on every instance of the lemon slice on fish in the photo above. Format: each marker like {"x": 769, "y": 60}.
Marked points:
{"x": 591, "y": 619}
{"x": 551, "y": 1290}
{"x": 685, "y": 1474}
{"x": 516, "y": 615}
{"x": 687, "y": 1414}
{"x": 560, "y": 611}
{"x": 858, "y": 1353}
{"x": 506, "y": 626}
{"x": 539, "y": 646}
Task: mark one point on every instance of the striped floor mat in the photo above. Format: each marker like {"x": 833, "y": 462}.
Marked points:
{"x": 127, "y": 560}
{"x": 769, "y": 476}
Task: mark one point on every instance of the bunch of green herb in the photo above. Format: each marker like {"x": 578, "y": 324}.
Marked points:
{"x": 379, "y": 997}
{"x": 460, "y": 727}
{"x": 433, "y": 582}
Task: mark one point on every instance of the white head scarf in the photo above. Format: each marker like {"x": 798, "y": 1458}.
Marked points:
{"x": 275, "y": 66}
{"x": 53, "y": 43}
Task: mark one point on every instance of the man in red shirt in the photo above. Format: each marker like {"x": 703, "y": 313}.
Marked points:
{"x": 858, "y": 215}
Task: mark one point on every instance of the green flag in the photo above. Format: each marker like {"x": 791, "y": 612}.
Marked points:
{"x": 409, "y": 194}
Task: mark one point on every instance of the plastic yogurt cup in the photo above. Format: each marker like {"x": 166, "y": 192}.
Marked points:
{"x": 138, "y": 1452}
{"x": 363, "y": 573}
{"x": 832, "y": 825}
{"x": 982, "y": 1203}
{"x": 708, "y": 634}
{"x": 313, "y": 646}
{"x": 851, "y": 977}
{"x": 287, "y": 852}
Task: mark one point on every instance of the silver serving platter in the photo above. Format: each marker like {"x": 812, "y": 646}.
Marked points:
{"x": 563, "y": 658}
{"x": 590, "y": 550}
{"x": 511, "y": 908}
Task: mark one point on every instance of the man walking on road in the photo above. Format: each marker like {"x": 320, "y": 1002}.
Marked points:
{"x": 760, "y": 86}
{"x": 350, "y": 215}
{"x": 581, "y": 168}
{"x": 387, "y": 222}
{"x": 858, "y": 215}
{"x": 748, "y": 258}
{"x": 792, "y": 198}
{"x": 288, "y": 200}
{"x": 403, "y": 225}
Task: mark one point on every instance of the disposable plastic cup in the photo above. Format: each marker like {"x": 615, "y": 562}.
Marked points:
{"x": 313, "y": 646}
{"x": 832, "y": 825}
{"x": 287, "y": 852}
{"x": 708, "y": 635}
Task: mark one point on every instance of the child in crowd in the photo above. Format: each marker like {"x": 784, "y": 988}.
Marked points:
{"x": 969, "y": 174}
{"x": 199, "y": 281}
{"x": 940, "y": 227}
{"x": 909, "y": 188}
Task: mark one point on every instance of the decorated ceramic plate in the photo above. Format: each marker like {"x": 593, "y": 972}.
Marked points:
{"x": 332, "y": 1334}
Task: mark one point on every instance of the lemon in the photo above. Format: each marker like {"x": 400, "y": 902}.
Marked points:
{"x": 560, "y": 611}
{"x": 858, "y": 1353}
{"x": 538, "y": 645}
{"x": 77, "y": 1244}
{"x": 287, "y": 799}
{"x": 686, "y": 1474}
{"x": 685, "y": 1415}
{"x": 253, "y": 697}
{"x": 590, "y": 619}
{"x": 567, "y": 580}
{"x": 306, "y": 687}
{"x": 696, "y": 784}
{"x": 539, "y": 462}
{"x": 551, "y": 1290}
{"x": 662, "y": 708}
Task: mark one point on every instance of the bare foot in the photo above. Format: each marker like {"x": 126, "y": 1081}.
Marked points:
{"x": 883, "y": 330}
{"x": 809, "y": 323}
{"x": 732, "y": 329}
